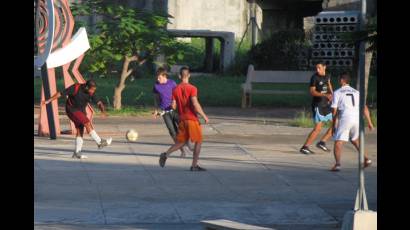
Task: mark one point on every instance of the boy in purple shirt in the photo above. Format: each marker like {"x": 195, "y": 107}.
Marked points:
{"x": 163, "y": 100}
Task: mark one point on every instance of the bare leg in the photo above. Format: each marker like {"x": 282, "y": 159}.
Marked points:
{"x": 356, "y": 144}
{"x": 327, "y": 135}
{"x": 182, "y": 149}
{"x": 80, "y": 132}
{"x": 197, "y": 150}
{"x": 312, "y": 135}
{"x": 96, "y": 137}
{"x": 338, "y": 151}
{"x": 88, "y": 127}
{"x": 174, "y": 148}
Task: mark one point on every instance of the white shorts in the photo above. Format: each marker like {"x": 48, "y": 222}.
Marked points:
{"x": 347, "y": 130}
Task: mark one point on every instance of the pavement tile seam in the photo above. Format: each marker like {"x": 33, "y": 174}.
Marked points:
{"x": 155, "y": 182}
{"x": 98, "y": 192}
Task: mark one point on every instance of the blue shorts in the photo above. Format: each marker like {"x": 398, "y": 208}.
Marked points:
{"x": 317, "y": 117}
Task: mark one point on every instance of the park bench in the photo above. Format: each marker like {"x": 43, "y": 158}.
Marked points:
{"x": 287, "y": 77}
{"x": 229, "y": 225}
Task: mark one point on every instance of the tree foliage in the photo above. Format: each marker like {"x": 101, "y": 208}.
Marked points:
{"x": 280, "y": 51}
{"x": 122, "y": 32}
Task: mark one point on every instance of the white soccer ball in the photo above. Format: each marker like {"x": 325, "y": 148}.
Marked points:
{"x": 131, "y": 135}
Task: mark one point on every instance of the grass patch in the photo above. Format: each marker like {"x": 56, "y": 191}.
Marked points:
{"x": 304, "y": 119}
{"x": 128, "y": 111}
{"x": 216, "y": 90}
{"x": 373, "y": 116}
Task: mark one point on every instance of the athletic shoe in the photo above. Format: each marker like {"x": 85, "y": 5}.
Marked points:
{"x": 322, "y": 145}
{"x": 306, "y": 150}
{"x": 104, "y": 143}
{"x": 197, "y": 168}
{"x": 162, "y": 158}
{"x": 335, "y": 168}
{"x": 367, "y": 163}
{"x": 79, "y": 156}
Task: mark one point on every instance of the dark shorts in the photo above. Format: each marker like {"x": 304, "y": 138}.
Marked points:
{"x": 79, "y": 118}
{"x": 171, "y": 121}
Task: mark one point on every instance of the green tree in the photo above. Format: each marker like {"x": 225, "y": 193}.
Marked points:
{"x": 125, "y": 35}
{"x": 280, "y": 51}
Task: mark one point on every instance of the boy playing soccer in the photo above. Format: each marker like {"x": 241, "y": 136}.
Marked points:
{"x": 184, "y": 97}
{"x": 78, "y": 97}
{"x": 345, "y": 107}
{"x": 321, "y": 90}
{"x": 163, "y": 99}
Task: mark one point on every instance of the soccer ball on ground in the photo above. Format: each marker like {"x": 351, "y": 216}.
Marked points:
{"x": 131, "y": 135}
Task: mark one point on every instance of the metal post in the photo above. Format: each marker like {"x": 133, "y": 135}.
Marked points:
{"x": 361, "y": 202}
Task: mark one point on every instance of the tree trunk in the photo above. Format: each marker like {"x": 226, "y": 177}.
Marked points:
{"x": 125, "y": 73}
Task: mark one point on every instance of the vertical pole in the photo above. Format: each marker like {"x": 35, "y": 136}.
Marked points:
{"x": 361, "y": 200}
{"x": 49, "y": 106}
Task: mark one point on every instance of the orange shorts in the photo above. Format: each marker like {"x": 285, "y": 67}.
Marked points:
{"x": 189, "y": 130}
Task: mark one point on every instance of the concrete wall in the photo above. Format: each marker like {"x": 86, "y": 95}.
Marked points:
{"x": 218, "y": 15}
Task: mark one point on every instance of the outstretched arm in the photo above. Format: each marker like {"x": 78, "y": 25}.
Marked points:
{"x": 198, "y": 108}
{"x": 101, "y": 106}
{"x": 52, "y": 98}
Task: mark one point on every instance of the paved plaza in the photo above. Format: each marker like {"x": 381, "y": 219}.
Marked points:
{"x": 255, "y": 176}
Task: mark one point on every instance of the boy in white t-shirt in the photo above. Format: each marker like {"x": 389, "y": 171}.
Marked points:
{"x": 345, "y": 109}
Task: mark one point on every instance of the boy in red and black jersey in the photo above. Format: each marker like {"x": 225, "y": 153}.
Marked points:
{"x": 78, "y": 97}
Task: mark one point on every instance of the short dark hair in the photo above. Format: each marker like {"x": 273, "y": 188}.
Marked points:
{"x": 345, "y": 76}
{"x": 182, "y": 70}
{"x": 320, "y": 63}
{"x": 90, "y": 84}
{"x": 160, "y": 71}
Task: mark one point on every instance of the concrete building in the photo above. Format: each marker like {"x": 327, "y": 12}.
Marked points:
{"x": 230, "y": 15}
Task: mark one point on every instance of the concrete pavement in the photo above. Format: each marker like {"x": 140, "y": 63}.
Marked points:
{"x": 255, "y": 176}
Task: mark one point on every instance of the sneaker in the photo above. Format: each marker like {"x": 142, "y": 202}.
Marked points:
{"x": 322, "y": 145}
{"x": 306, "y": 150}
{"x": 162, "y": 158}
{"x": 79, "y": 156}
{"x": 104, "y": 143}
{"x": 367, "y": 163}
{"x": 335, "y": 168}
{"x": 197, "y": 168}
